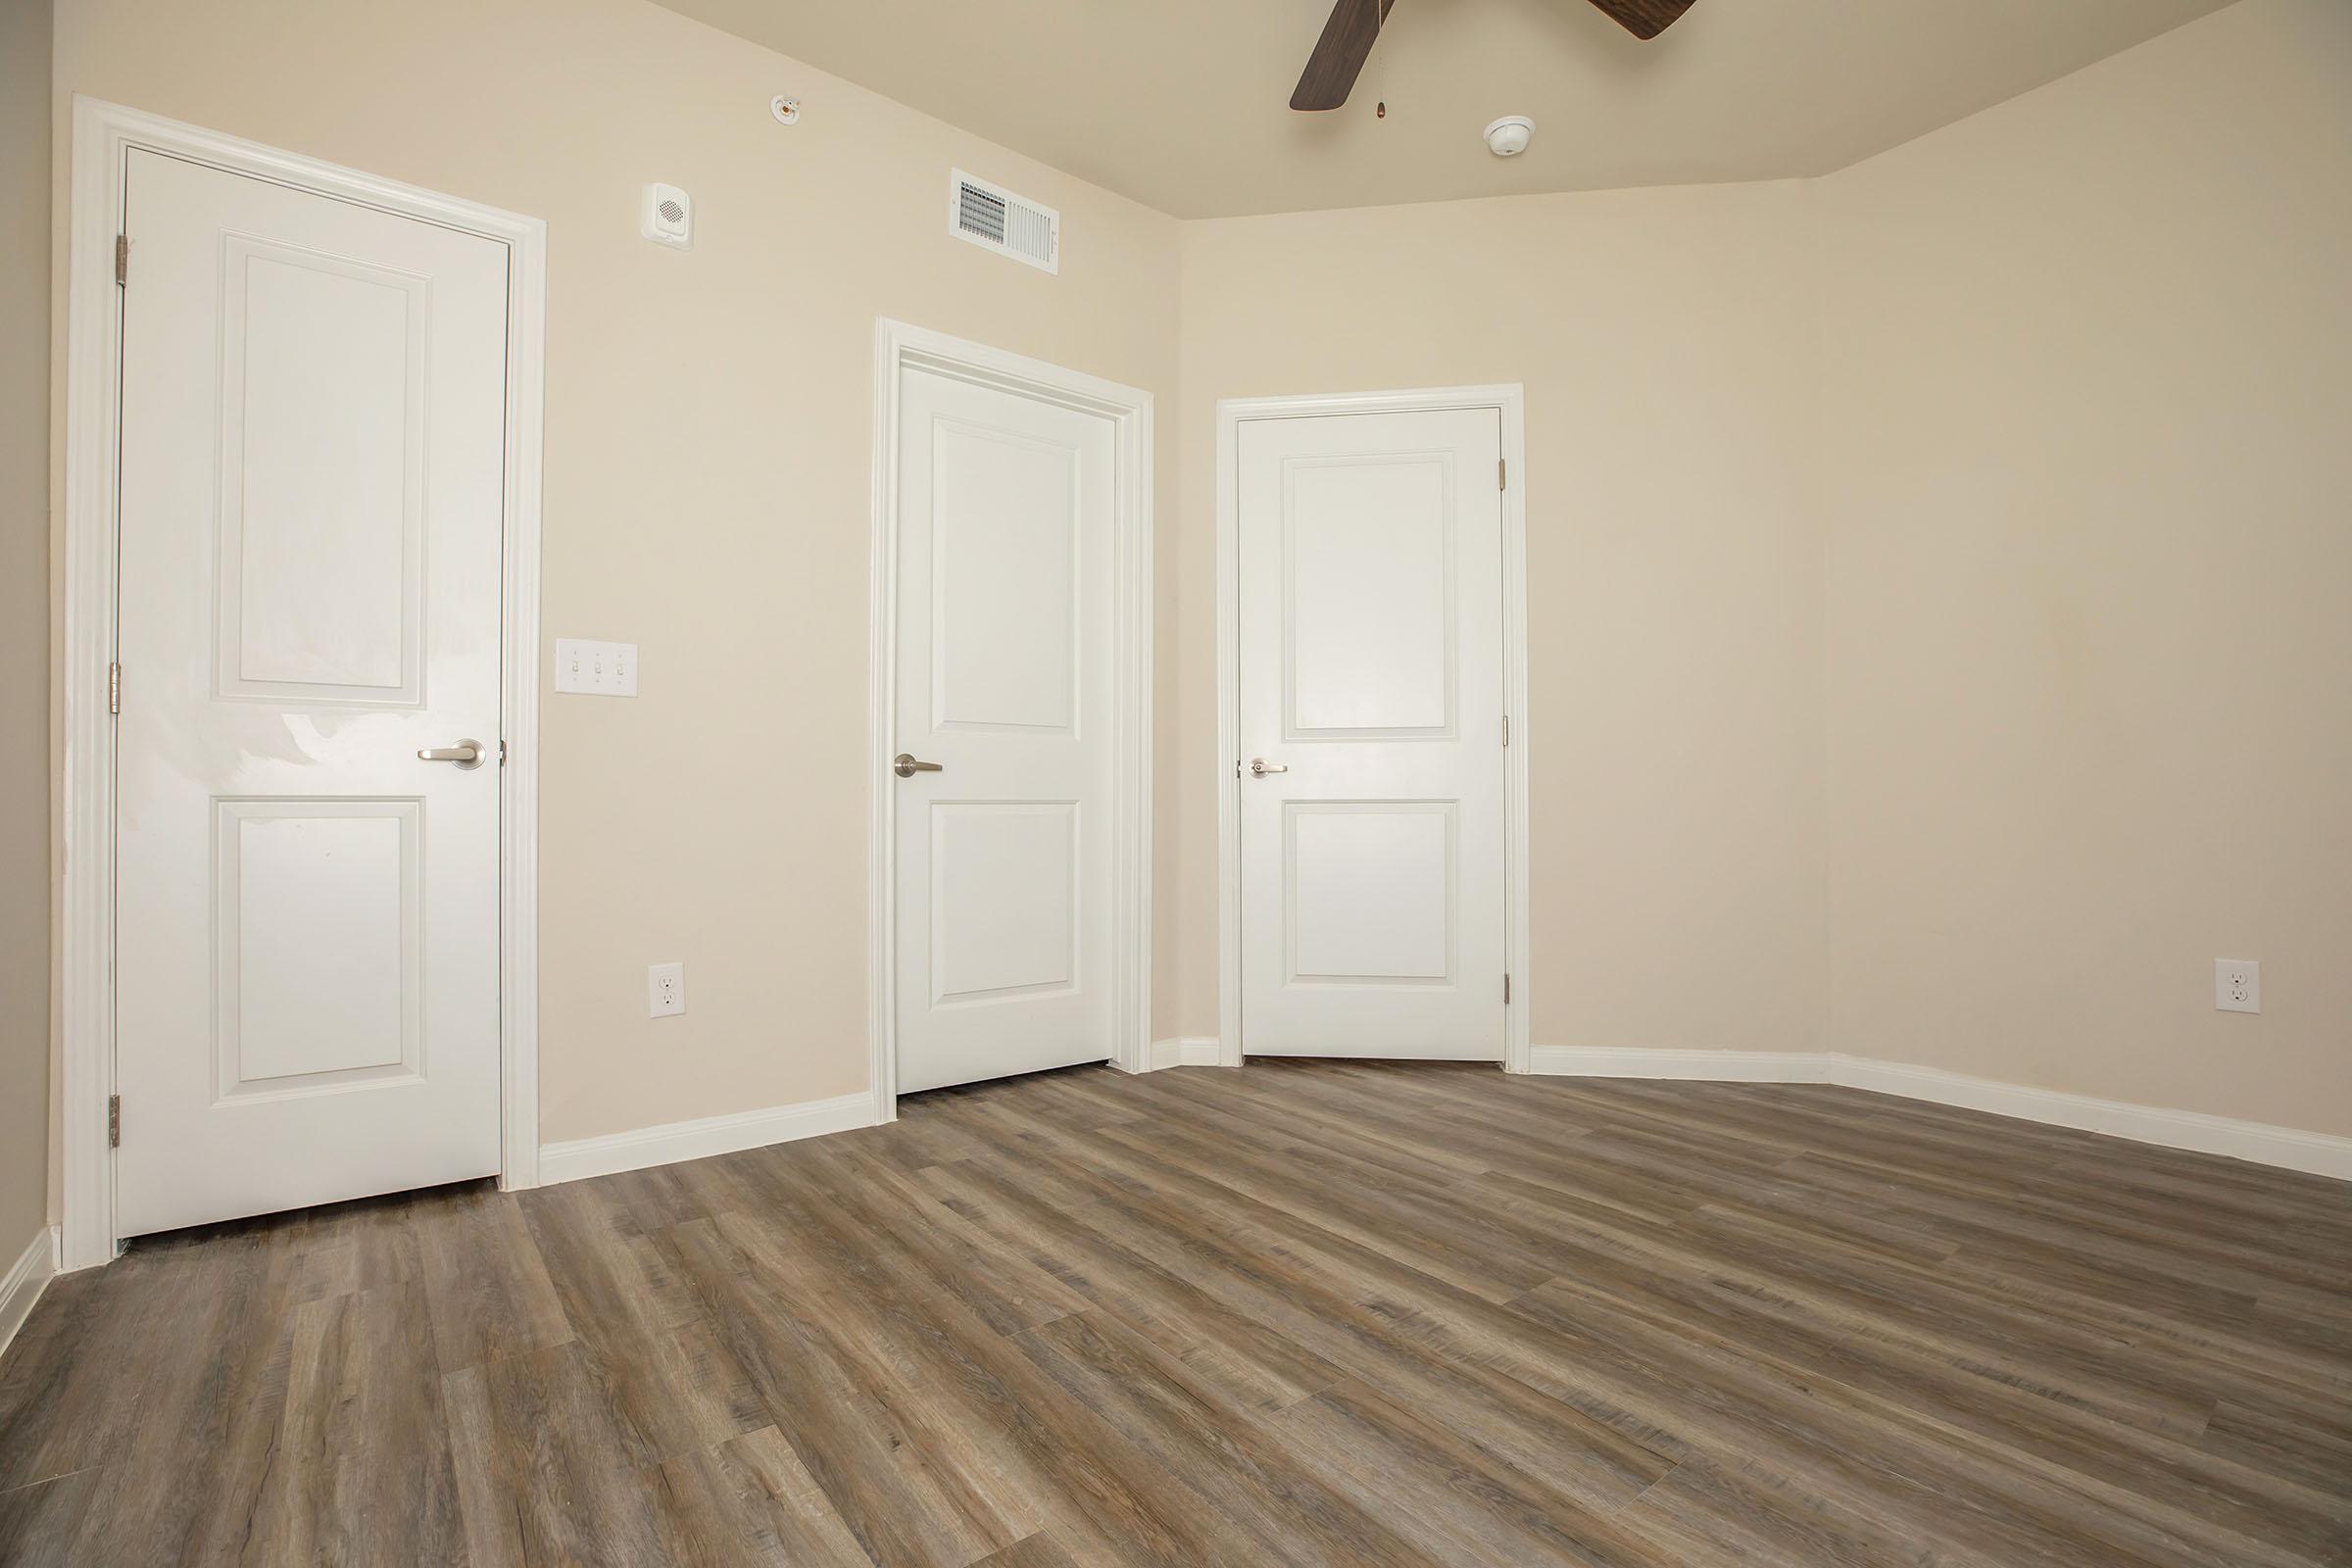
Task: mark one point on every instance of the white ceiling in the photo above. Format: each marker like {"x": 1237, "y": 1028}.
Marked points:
{"x": 1182, "y": 104}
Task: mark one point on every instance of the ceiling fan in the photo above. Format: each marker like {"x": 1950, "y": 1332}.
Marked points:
{"x": 1354, "y": 25}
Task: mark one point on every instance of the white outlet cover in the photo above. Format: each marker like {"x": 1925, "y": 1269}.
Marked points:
{"x": 2236, "y": 985}
{"x": 664, "y": 989}
{"x": 596, "y": 669}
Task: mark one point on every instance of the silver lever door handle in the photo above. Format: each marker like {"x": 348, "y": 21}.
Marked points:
{"x": 1262, "y": 768}
{"x": 906, "y": 767}
{"x": 466, "y": 754}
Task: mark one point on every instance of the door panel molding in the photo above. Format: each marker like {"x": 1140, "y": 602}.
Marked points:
{"x": 104, "y": 136}
{"x": 898, "y": 348}
{"x": 1509, "y": 401}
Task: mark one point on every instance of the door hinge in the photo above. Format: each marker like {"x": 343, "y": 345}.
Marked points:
{"x": 1506, "y": 729}
{"x": 113, "y": 1121}
{"x": 122, "y": 260}
{"x": 1506, "y": 990}
{"x": 114, "y": 688}
{"x": 1502, "y": 474}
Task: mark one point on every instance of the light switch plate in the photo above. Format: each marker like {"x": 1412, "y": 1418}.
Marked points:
{"x": 598, "y": 670}
{"x": 2236, "y": 985}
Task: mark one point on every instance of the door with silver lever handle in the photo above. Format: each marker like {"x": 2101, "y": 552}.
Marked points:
{"x": 466, "y": 754}
{"x": 906, "y": 767}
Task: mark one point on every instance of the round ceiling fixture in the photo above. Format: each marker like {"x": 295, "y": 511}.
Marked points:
{"x": 1508, "y": 136}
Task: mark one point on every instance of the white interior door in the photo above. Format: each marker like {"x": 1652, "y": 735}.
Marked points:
{"x": 1371, "y": 776}
{"x": 312, "y": 493}
{"x": 1005, "y": 688}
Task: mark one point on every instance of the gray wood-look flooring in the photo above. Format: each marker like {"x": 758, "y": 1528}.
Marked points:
{"x": 1301, "y": 1314}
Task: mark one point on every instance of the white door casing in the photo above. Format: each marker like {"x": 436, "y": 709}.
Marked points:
{"x": 1006, "y": 683}
{"x": 1370, "y": 651}
{"x": 314, "y": 411}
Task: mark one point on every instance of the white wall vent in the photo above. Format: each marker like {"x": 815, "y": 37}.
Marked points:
{"x": 994, "y": 218}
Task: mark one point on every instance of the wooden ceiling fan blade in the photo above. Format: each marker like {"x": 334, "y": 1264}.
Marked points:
{"x": 1644, "y": 19}
{"x": 1340, "y": 54}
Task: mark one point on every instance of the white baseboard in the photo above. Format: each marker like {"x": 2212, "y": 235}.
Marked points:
{"x": 1193, "y": 1051}
{"x": 2317, "y": 1153}
{"x": 1716, "y": 1067}
{"x": 24, "y": 1281}
{"x": 672, "y": 1141}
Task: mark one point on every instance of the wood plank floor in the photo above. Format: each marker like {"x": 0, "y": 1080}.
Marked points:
{"x": 1301, "y": 1314}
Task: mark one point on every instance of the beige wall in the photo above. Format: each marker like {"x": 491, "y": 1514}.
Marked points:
{"x": 1937, "y": 574}
{"x": 2088, "y": 486}
{"x": 1941, "y": 573}
{"x": 707, "y": 460}
{"x": 23, "y": 624}
{"x": 1673, "y": 569}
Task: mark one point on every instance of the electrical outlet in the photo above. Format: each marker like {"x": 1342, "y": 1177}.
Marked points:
{"x": 2236, "y": 985}
{"x": 664, "y": 989}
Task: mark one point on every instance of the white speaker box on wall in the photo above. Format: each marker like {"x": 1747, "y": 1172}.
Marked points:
{"x": 668, "y": 216}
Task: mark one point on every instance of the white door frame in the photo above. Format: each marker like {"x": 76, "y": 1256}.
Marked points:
{"x": 900, "y": 347}
{"x": 104, "y": 135}
{"x": 1509, "y": 401}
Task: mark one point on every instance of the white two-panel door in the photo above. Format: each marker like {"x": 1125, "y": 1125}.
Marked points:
{"x": 313, "y": 490}
{"x": 1372, "y": 732}
{"x": 1005, "y": 670}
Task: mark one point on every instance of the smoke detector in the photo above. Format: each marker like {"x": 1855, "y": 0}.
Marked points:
{"x": 1508, "y": 136}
